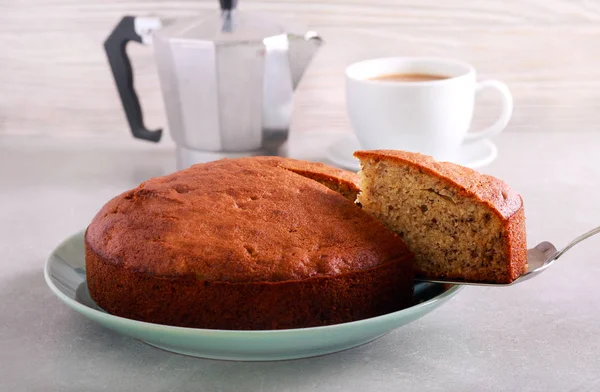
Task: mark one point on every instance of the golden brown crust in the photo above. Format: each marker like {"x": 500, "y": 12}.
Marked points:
{"x": 239, "y": 220}
{"x": 341, "y": 181}
{"x": 516, "y": 245}
{"x": 191, "y": 302}
{"x": 487, "y": 189}
{"x": 244, "y": 244}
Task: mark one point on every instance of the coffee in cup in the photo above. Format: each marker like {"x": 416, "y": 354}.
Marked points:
{"x": 411, "y": 77}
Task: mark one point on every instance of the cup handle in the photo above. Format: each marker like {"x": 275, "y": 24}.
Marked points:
{"x": 502, "y": 121}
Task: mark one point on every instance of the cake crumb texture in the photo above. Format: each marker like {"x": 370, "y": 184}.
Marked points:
{"x": 459, "y": 223}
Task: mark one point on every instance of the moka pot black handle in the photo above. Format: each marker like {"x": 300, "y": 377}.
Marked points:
{"x": 115, "y": 47}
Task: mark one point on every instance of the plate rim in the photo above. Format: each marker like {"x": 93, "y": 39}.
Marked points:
{"x": 96, "y": 314}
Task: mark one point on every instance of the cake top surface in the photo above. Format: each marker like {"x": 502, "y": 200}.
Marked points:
{"x": 316, "y": 170}
{"x": 490, "y": 190}
{"x": 240, "y": 220}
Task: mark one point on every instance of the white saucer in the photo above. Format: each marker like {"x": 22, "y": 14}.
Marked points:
{"x": 473, "y": 155}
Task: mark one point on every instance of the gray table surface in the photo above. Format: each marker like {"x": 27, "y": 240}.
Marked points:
{"x": 542, "y": 335}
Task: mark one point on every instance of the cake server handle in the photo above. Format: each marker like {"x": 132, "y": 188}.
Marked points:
{"x": 577, "y": 240}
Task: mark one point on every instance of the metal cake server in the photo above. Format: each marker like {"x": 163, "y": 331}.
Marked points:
{"x": 538, "y": 259}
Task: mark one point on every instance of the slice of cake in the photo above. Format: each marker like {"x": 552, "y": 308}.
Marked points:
{"x": 460, "y": 224}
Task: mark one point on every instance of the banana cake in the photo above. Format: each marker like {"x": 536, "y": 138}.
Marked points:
{"x": 245, "y": 244}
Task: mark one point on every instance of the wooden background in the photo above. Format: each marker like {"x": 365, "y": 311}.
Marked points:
{"x": 54, "y": 78}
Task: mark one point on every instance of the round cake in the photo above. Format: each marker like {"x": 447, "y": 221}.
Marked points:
{"x": 243, "y": 244}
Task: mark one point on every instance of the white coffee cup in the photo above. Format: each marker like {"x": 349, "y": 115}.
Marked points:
{"x": 432, "y": 117}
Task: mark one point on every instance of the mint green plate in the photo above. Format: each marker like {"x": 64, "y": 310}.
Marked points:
{"x": 65, "y": 274}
